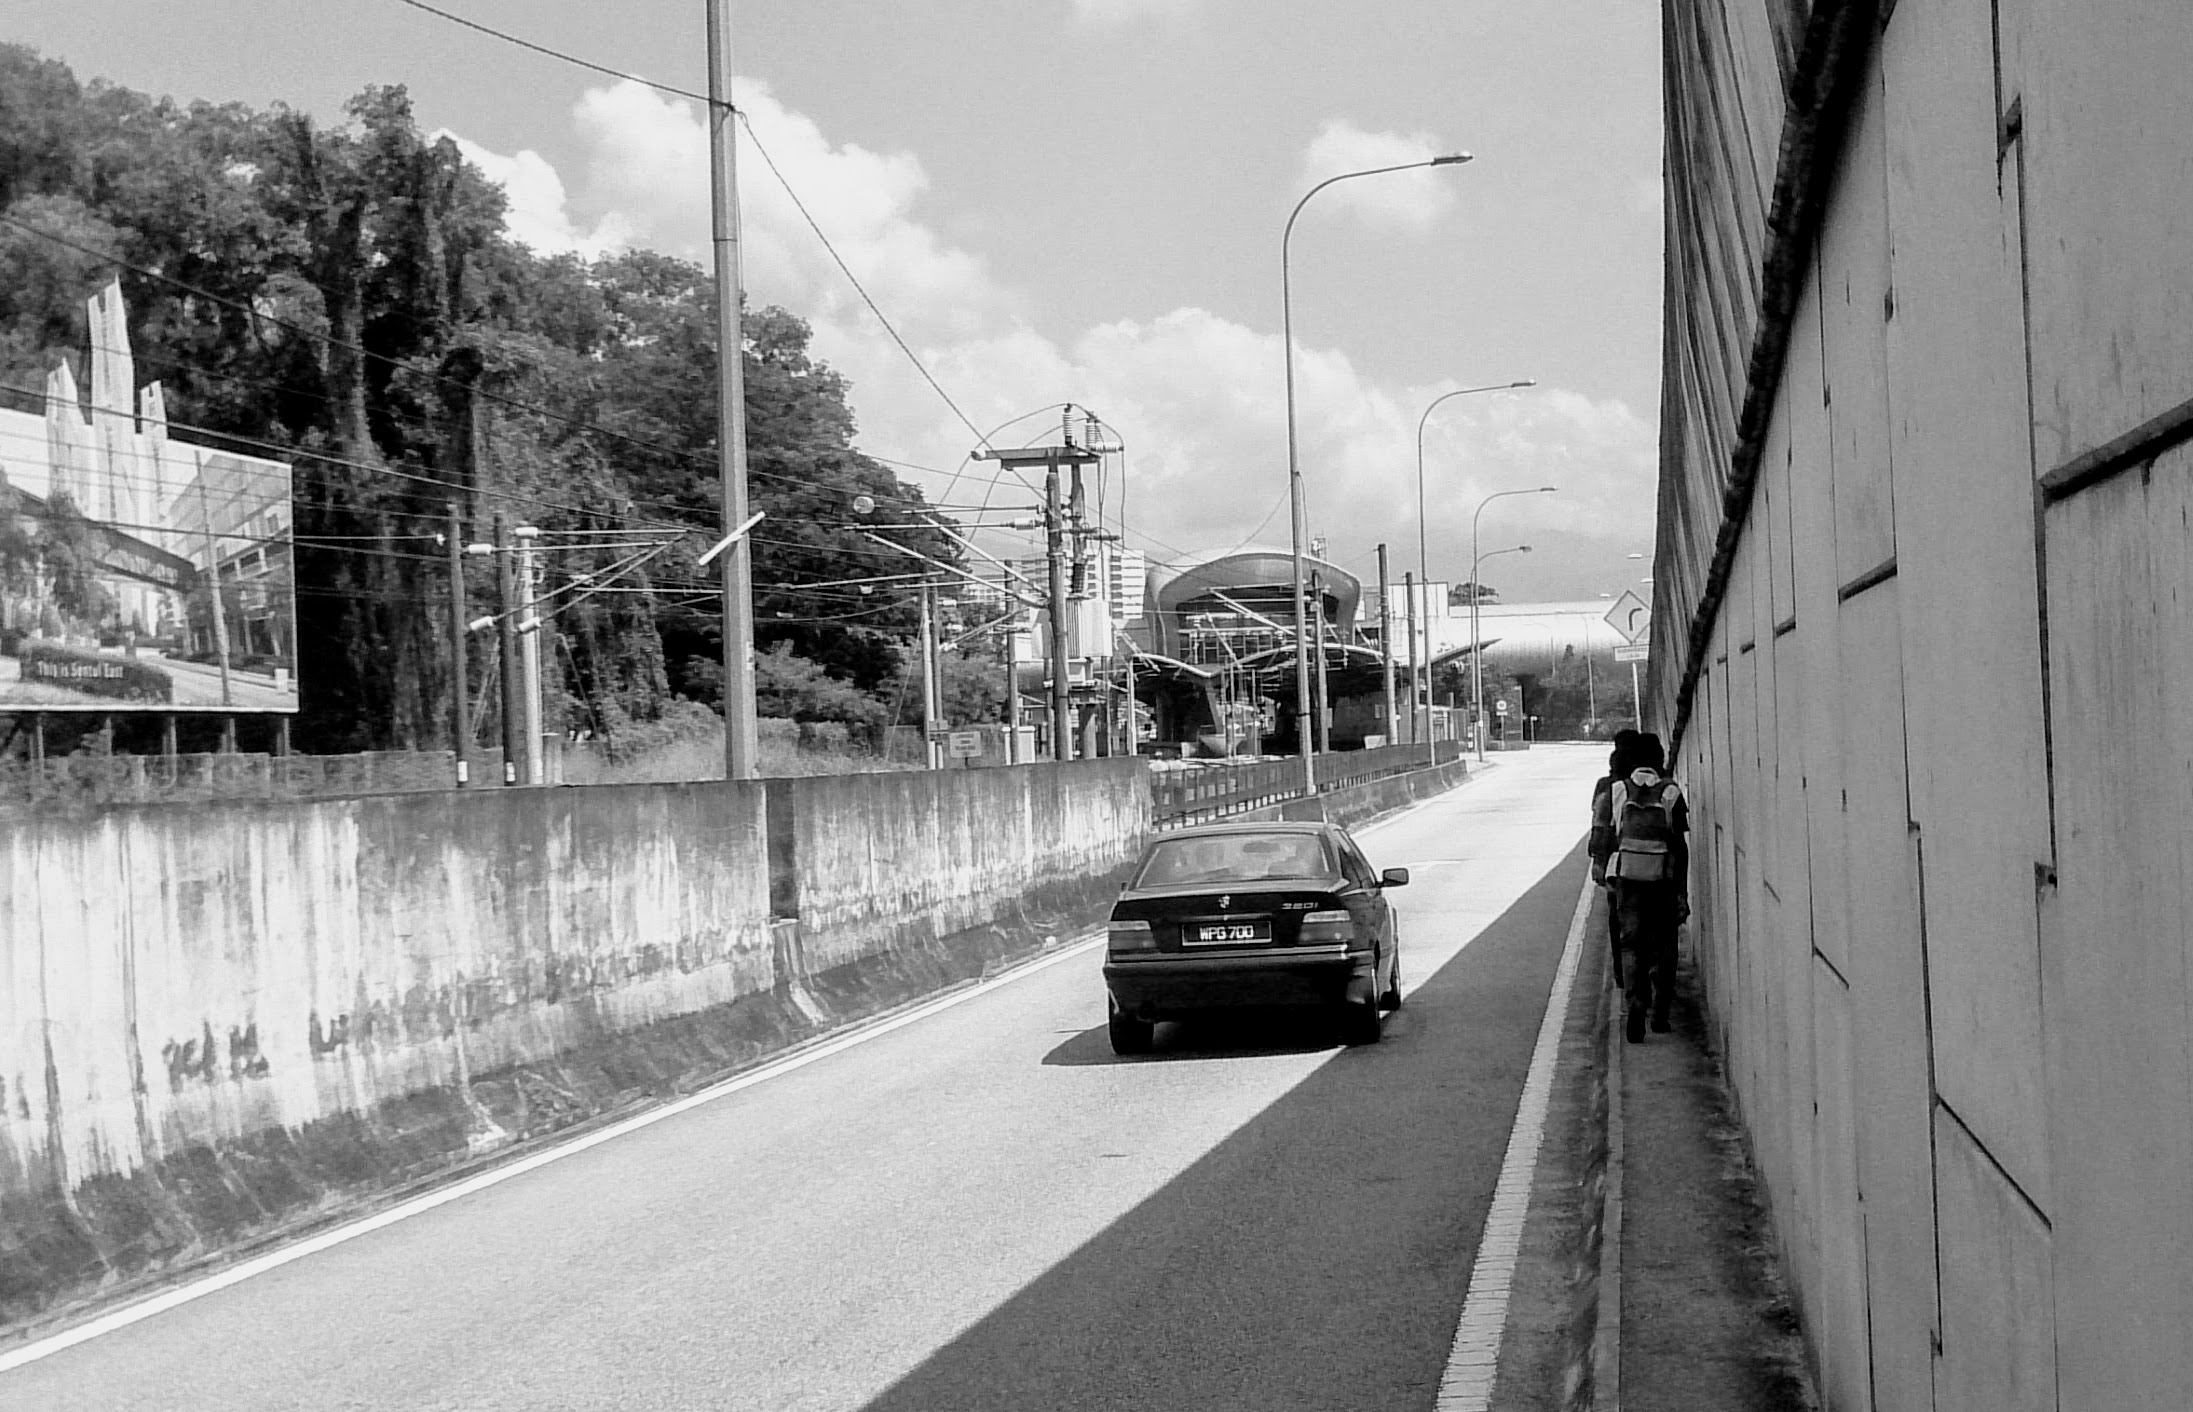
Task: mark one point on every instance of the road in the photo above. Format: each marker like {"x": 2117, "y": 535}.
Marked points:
{"x": 981, "y": 1211}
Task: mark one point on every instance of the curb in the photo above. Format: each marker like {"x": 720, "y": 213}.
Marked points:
{"x": 1606, "y": 1338}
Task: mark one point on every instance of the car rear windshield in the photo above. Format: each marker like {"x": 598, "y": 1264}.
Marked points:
{"x": 1235, "y": 858}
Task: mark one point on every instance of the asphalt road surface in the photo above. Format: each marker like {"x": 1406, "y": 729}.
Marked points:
{"x": 982, "y": 1210}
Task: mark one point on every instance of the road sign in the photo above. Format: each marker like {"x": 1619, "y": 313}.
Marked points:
{"x": 1631, "y": 616}
{"x": 1636, "y": 653}
{"x": 964, "y": 745}
{"x": 1500, "y": 708}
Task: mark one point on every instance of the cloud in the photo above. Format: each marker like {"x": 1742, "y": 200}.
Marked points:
{"x": 1402, "y": 201}
{"x": 538, "y": 212}
{"x": 1118, "y": 12}
{"x": 1198, "y": 398}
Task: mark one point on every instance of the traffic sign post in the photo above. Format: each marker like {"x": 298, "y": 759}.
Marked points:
{"x": 963, "y": 745}
{"x": 1631, "y": 654}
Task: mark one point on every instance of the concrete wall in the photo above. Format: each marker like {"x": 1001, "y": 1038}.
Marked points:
{"x": 1925, "y": 632}
{"x": 221, "y": 1021}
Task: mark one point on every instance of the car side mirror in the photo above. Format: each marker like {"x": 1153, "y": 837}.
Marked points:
{"x": 1394, "y": 877}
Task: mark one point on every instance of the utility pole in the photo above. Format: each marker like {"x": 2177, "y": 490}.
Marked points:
{"x": 1055, "y": 530}
{"x": 1133, "y": 739}
{"x": 928, "y": 679}
{"x": 1385, "y": 641}
{"x": 1419, "y": 728}
{"x": 1011, "y": 653}
{"x": 460, "y": 733}
{"x": 529, "y": 651}
{"x": 506, "y": 637}
{"x": 1054, "y": 543}
{"x": 741, "y": 733}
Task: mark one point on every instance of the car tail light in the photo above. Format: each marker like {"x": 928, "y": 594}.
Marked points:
{"x": 1132, "y": 936}
{"x": 1336, "y": 924}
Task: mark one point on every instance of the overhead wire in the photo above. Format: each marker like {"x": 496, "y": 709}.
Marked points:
{"x": 745, "y": 121}
{"x": 559, "y": 54}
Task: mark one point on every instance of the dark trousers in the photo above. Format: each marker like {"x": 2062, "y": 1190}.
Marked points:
{"x": 1646, "y": 916}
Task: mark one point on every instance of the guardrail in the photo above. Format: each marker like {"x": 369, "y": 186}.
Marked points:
{"x": 1204, "y": 793}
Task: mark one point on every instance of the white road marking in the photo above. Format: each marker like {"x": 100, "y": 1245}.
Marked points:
{"x": 273, "y": 1260}
{"x": 1467, "y": 1384}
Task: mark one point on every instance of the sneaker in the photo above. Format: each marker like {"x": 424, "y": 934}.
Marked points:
{"x": 1635, "y": 1029}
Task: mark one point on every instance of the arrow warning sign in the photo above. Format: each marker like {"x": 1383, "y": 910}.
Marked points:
{"x": 1631, "y": 616}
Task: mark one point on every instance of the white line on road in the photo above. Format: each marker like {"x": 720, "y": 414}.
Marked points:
{"x": 237, "y": 1274}
{"x": 1466, "y": 1386}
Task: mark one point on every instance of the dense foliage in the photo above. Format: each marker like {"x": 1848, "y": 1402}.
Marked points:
{"x": 344, "y": 298}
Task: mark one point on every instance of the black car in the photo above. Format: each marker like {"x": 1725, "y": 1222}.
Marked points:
{"x": 1249, "y": 915}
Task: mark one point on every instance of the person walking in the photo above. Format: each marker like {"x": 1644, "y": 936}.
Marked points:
{"x": 1602, "y": 837}
{"x": 1645, "y": 821}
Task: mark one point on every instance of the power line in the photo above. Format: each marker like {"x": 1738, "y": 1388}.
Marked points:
{"x": 471, "y": 390}
{"x": 767, "y": 160}
{"x": 558, "y": 54}
{"x": 851, "y": 279}
{"x": 168, "y": 360}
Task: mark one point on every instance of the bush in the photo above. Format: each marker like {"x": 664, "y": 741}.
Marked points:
{"x": 94, "y": 674}
{"x": 625, "y": 739}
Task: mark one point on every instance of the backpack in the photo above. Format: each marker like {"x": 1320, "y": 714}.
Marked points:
{"x": 1643, "y": 810}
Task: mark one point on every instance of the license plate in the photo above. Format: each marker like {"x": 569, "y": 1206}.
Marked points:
{"x": 1222, "y": 933}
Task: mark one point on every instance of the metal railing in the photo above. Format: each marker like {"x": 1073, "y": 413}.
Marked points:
{"x": 149, "y": 779}
{"x": 1204, "y": 793}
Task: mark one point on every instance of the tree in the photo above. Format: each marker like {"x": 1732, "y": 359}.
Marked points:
{"x": 343, "y": 295}
{"x": 791, "y": 687}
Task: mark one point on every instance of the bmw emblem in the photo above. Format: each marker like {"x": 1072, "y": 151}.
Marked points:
{"x": 1225, "y": 899}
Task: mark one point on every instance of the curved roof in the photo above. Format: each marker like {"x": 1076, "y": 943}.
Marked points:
{"x": 1521, "y": 632}
{"x": 1254, "y": 567}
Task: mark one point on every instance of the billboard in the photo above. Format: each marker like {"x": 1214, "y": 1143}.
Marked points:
{"x": 139, "y": 572}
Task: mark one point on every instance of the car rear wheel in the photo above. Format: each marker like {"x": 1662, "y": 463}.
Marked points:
{"x": 1129, "y": 1035}
{"x": 1359, "y": 1022}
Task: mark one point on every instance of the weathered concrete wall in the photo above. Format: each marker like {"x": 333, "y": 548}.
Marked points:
{"x": 1926, "y": 633}
{"x": 220, "y": 1021}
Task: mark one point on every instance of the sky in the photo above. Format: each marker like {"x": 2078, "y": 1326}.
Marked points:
{"x": 1083, "y": 201}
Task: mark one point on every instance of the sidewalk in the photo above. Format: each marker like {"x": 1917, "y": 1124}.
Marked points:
{"x": 1700, "y": 1319}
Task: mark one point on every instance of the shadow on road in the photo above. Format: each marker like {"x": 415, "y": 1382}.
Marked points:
{"x": 1249, "y": 1035}
{"x": 1316, "y": 1258}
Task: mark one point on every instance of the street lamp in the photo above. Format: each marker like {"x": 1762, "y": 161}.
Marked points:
{"x": 1477, "y": 648}
{"x": 1423, "y": 558}
{"x": 1477, "y": 652}
{"x": 1296, "y": 513}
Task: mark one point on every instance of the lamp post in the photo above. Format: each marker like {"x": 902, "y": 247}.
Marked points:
{"x": 1477, "y": 677}
{"x": 1296, "y": 513}
{"x": 1423, "y": 557}
{"x": 1477, "y": 647}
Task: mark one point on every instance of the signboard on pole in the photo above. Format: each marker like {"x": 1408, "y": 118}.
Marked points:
{"x": 1631, "y": 616}
{"x": 1637, "y": 653}
{"x": 964, "y": 745}
{"x": 138, "y": 572}
{"x": 178, "y": 592}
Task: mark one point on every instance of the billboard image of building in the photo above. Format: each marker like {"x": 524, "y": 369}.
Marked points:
{"x": 138, "y": 572}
